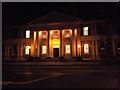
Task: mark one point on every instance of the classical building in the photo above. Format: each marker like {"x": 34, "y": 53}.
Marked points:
{"x": 59, "y": 35}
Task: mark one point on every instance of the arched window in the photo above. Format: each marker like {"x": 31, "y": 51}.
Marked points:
{"x": 86, "y": 48}
{"x": 27, "y": 50}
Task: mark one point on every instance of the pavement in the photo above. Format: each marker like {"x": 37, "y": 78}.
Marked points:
{"x": 59, "y": 76}
{"x": 54, "y": 63}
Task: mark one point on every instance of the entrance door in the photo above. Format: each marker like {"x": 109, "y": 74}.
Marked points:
{"x": 55, "y": 52}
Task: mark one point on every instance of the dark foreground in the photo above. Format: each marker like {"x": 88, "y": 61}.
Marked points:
{"x": 25, "y": 76}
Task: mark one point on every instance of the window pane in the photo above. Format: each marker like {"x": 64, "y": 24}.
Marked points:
{"x": 67, "y": 48}
{"x": 43, "y": 49}
{"x": 85, "y": 31}
{"x": 28, "y": 34}
{"x": 86, "y": 48}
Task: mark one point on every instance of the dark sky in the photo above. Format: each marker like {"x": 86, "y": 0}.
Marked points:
{"x": 23, "y": 12}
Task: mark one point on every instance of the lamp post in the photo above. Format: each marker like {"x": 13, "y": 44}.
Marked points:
{"x": 79, "y": 49}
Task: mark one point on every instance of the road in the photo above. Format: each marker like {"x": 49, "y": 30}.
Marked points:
{"x": 15, "y": 76}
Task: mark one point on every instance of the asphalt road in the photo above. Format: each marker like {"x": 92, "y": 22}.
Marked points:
{"x": 60, "y": 76}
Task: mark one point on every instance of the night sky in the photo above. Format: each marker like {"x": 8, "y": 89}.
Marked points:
{"x": 20, "y": 13}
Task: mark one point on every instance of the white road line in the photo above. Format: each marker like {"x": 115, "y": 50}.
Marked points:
{"x": 10, "y": 82}
{"x": 6, "y": 82}
{"x": 86, "y": 70}
{"x": 24, "y": 70}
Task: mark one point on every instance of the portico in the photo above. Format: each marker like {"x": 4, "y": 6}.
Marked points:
{"x": 55, "y": 43}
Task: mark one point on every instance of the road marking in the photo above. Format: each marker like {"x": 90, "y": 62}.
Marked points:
{"x": 86, "y": 70}
{"x": 10, "y": 82}
{"x": 6, "y": 82}
{"x": 25, "y": 70}
{"x": 27, "y": 73}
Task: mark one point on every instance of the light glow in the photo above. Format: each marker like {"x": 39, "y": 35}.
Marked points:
{"x": 39, "y": 33}
{"x": 55, "y": 42}
{"x": 51, "y": 32}
{"x": 78, "y": 46}
{"x": 118, "y": 48}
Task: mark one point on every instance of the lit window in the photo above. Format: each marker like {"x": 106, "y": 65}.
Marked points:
{"x": 85, "y": 31}
{"x": 28, "y": 34}
{"x": 67, "y": 49}
{"x": 67, "y": 35}
{"x": 27, "y": 50}
{"x": 86, "y": 48}
{"x": 44, "y": 36}
{"x": 43, "y": 49}
{"x": 55, "y": 35}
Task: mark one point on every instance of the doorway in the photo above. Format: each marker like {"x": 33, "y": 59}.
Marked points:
{"x": 55, "y": 52}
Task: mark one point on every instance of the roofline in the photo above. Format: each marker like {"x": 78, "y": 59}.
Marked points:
{"x": 50, "y": 14}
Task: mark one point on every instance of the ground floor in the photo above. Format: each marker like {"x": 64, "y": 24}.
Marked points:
{"x": 65, "y": 43}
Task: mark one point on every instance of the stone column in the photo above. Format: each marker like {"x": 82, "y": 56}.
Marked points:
{"x": 75, "y": 39}
{"x": 6, "y": 50}
{"x": 35, "y": 33}
{"x": 96, "y": 48}
{"x": 37, "y": 43}
{"x": 61, "y": 43}
{"x": 73, "y": 42}
{"x": 113, "y": 47}
{"x": 48, "y": 43}
{"x": 78, "y": 42}
{"x": 93, "y": 49}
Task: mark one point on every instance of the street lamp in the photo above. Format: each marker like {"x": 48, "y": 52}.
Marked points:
{"x": 79, "y": 49}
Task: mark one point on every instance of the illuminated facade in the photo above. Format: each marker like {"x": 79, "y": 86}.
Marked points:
{"x": 58, "y": 35}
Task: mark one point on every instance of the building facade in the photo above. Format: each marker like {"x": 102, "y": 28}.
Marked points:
{"x": 59, "y": 35}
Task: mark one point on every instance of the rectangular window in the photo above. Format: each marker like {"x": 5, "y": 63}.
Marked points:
{"x": 44, "y": 49}
{"x": 44, "y": 36}
{"x": 67, "y": 35}
{"x": 85, "y": 31}
{"x": 67, "y": 49}
{"x": 28, "y": 34}
{"x": 55, "y": 35}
